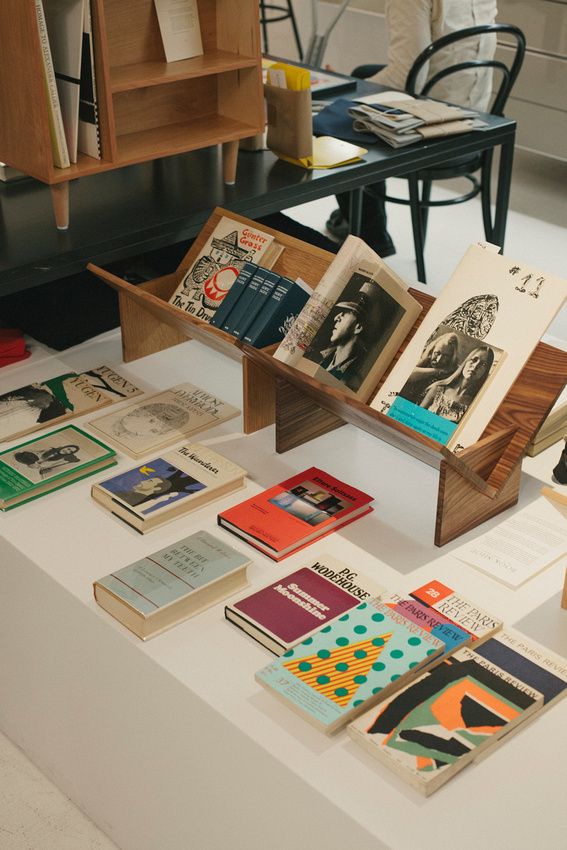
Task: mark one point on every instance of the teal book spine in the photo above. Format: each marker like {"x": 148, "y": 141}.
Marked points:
{"x": 274, "y": 322}
{"x": 241, "y": 308}
{"x": 233, "y": 294}
{"x": 260, "y": 297}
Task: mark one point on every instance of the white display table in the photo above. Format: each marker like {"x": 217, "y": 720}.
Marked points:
{"x": 170, "y": 744}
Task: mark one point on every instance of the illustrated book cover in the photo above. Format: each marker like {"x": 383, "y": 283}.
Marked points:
{"x": 465, "y": 614}
{"x": 290, "y": 515}
{"x": 295, "y": 606}
{"x": 505, "y": 306}
{"x": 435, "y": 726}
{"x": 166, "y": 487}
{"x": 46, "y": 463}
{"x": 163, "y": 419}
{"x": 166, "y": 587}
{"x": 349, "y": 665}
{"x": 211, "y": 275}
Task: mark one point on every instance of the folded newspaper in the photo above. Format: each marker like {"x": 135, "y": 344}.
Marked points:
{"x": 409, "y": 120}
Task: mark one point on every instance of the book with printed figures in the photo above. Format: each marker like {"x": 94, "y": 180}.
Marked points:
{"x": 349, "y": 665}
{"x": 435, "y": 726}
{"x": 290, "y": 515}
{"x": 292, "y": 608}
{"x": 49, "y": 462}
{"x": 210, "y": 277}
{"x": 453, "y": 375}
{"x": 163, "y": 419}
{"x": 164, "y": 488}
{"x": 166, "y": 587}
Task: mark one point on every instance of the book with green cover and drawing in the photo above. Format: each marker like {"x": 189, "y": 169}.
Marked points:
{"x": 49, "y": 462}
{"x": 164, "y": 588}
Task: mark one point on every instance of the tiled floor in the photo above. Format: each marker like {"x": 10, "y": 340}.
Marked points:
{"x": 34, "y": 815}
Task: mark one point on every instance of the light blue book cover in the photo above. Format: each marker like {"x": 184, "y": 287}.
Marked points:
{"x": 351, "y": 664}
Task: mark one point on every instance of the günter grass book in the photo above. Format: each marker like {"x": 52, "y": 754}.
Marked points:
{"x": 290, "y": 515}
{"x": 292, "y": 608}
{"x": 166, "y": 587}
{"x": 435, "y": 726}
{"x": 49, "y": 462}
{"x": 164, "y": 488}
{"x": 349, "y": 665}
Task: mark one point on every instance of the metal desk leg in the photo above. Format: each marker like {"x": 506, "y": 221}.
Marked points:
{"x": 355, "y": 211}
{"x": 503, "y": 192}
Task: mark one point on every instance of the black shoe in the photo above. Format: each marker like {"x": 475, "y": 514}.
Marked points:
{"x": 385, "y": 248}
{"x": 337, "y": 226}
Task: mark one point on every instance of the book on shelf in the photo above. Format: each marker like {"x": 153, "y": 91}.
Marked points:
{"x": 164, "y": 488}
{"x": 273, "y": 322}
{"x": 252, "y": 299}
{"x": 292, "y": 608}
{"x": 89, "y": 128}
{"x": 553, "y": 428}
{"x": 457, "y": 712}
{"x": 292, "y": 514}
{"x": 449, "y": 391}
{"x": 350, "y": 665}
{"x": 164, "y": 588}
{"x": 47, "y": 463}
{"x": 56, "y": 128}
{"x": 180, "y": 29}
{"x": 58, "y": 399}
{"x": 207, "y": 281}
{"x": 163, "y": 419}
{"x": 221, "y": 315}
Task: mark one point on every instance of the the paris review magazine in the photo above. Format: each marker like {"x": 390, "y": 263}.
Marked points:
{"x": 206, "y": 283}
{"x": 349, "y": 665}
{"x": 289, "y": 610}
{"x": 435, "y": 726}
{"x": 295, "y": 512}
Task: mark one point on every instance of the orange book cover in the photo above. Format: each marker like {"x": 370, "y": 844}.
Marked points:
{"x": 295, "y": 512}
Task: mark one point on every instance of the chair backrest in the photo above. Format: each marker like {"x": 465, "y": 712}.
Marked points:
{"x": 509, "y": 72}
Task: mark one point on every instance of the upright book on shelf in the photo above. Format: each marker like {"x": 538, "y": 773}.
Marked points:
{"x": 56, "y": 129}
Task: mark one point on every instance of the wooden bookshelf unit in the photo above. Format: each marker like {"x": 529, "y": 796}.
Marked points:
{"x": 148, "y": 108}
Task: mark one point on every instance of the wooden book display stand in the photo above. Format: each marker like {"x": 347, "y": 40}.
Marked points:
{"x": 474, "y": 485}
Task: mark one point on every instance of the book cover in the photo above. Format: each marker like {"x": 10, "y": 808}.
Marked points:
{"x": 164, "y": 418}
{"x": 349, "y": 665}
{"x": 290, "y": 609}
{"x": 229, "y": 301}
{"x": 56, "y": 128}
{"x": 286, "y": 302}
{"x": 180, "y": 28}
{"x": 163, "y": 488}
{"x": 89, "y": 131}
{"x": 164, "y": 588}
{"x": 436, "y": 725}
{"x": 362, "y": 332}
{"x": 289, "y": 515}
{"x": 112, "y": 383}
{"x": 436, "y": 624}
{"x": 206, "y": 283}
{"x": 467, "y": 615}
{"x": 46, "y": 463}
{"x": 504, "y": 305}
{"x": 260, "y": 298}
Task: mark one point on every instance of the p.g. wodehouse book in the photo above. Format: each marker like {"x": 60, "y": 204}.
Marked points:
{"x": 164, "y": 588}
{"x": 292, "y": 608}
{"x": 349, "y": 665}
{"x": 46, "y": 463}
{"x": 161, "y": 489}
{"x": 295, "y": 512}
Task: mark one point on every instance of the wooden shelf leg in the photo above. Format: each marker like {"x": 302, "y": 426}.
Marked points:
{"x": 298, "y": 419}
{"x": 60, "y": 202}
{"x": 142, "y": 332}
{"x": 259, "y": 395}
{"x": 229, "y": 162}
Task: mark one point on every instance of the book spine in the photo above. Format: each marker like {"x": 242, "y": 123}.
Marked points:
{"x": 245, "y": 301}
{"x": 277, "y": 296}
{"x": 89, "y": 131}
{"x": 233, "y": 294}
{"x": 276, "y": 326}
{"x": 256, "y": 306}
{"x": 57, "y": 131}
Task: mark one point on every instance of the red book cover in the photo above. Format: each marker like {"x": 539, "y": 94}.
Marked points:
{"x": 295, "y": 512}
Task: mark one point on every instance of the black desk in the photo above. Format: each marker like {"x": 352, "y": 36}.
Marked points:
{"x": 125, "y": 212}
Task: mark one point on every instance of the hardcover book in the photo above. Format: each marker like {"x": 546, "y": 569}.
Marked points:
{"x": 49, "y": 462}
{"x": 166, "y": 487}
{"x": 292, "y": 608}
{"x": 438, "y": 724}
{"x": 350, "y": 665}
{"x": 164, "y": 418}
{"x": 271, "y": 325}
{"x": 290, "y": 515}
{"x": 166, "y": 587}
{"x": 254, "y": 294}
{"x": 220, "y": 318}
{"x": 206, "y": 283}
{"x": 505, "y": 307}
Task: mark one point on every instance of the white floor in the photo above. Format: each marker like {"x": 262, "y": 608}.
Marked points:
{"x": 34, "y": 815}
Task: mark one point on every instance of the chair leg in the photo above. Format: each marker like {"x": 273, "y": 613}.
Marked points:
{"x": 295, "y": 29}
{"x": 415, "y": 205}
{"x": 485, "y": 195}
{"x": 425, "y": 196}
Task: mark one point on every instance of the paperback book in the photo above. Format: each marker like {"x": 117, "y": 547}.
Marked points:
{"x": 291, "y": 609}
{"x": 48, "y": 463}
{"x": 164, "y": 418}
{"x": 350, "y": 665}
{"x": 468, "y": 616}
{"x": 164, "y": 488}
{"x": 294, "y": 513}
{"x": 166, "y": 587}
{"x": 432, "y": 728}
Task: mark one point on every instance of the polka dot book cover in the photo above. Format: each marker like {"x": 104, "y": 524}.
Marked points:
{"x": 350, "y": 665}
